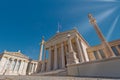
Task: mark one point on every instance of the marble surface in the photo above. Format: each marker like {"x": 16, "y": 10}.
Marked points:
{"x": 49, "y": 78}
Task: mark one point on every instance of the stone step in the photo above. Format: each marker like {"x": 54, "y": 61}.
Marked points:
{"x": 49, "y": 78}
{"x": 60, "y": 72}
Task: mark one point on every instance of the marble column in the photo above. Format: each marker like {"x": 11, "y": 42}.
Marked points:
{"x": 2, "y": 64}
{"x": 43, "y": 62}
{"x": 79, "y": 49}
{"x": 21, "y": 67}
{"x": 35, "y": 67}
{"x": 5, "y": 66}
{"x": 41, "y": 50}
{"x": 100, "y": 57}
{"x": 32, "y": 68}
{"x": 55, "y": 58}
{"x": 16, "y": 65}
{"x": 62, "y": 55}
{"x": 49, "y": 61}
{"x": 25, "y": 67}
{"x": 11, "y": 66}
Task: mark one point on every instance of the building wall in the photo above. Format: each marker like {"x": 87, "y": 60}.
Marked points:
{"x": 102, "y": 68}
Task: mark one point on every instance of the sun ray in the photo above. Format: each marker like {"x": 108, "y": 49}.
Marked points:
{"x": 105, "y": 14}
{"x": 105, "y": 0}
{"x": 86, "y": 27}
{"x": 112, "y": 28}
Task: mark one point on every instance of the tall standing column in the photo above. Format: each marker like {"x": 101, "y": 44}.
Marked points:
{"x": 62, "y": 55}
{"x": 80, "y": 53}
{"x": 49, "y": 61}
{"x": 55, "y": 58}
{"x": 105, "y": 44}
{"x": 43, "y": 63}
{"x": 41, "y": 49}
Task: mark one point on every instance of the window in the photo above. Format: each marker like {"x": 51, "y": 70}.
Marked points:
{"x": 115, "y": 50}
{"x": 102, "y": 54}
{"x": 119, "y": 46}
{"x": 96, "y": 55}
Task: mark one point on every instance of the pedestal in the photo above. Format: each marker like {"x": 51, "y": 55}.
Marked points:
{"x": 71, "y": 58}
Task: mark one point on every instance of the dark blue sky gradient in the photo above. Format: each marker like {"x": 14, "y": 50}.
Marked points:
{"x": 24, "y": 22}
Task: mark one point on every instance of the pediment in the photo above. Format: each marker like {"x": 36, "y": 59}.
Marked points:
{"x": 61, "y": 35}
{"x": 16, "y": 54}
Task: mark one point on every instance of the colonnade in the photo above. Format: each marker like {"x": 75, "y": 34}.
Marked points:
{"x": 57, "y": 54}
{"x": 32, "y": 67}
{"x": 58, "y": 60}
{"x": 13, "y": 66}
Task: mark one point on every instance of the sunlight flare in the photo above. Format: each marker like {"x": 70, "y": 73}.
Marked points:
{"x": 112, "y": 27}
{"x": 99, "y": 18}
{"x": 106, "y": 0}
{"x": 104, "y": 15}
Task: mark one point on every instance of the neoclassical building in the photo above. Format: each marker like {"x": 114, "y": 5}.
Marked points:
{"x": 63, "y": 49}
{"x": 15, "y": 63}
{"x": 68, "y": 53}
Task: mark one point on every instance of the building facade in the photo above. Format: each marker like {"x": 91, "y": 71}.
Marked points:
{"x": 15, "y": 63}
{"x": 69, "y": 51}
{"x": 64, "y": 48}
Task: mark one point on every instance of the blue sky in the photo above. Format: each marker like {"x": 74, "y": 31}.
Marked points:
{"x": 24, "y": 22}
